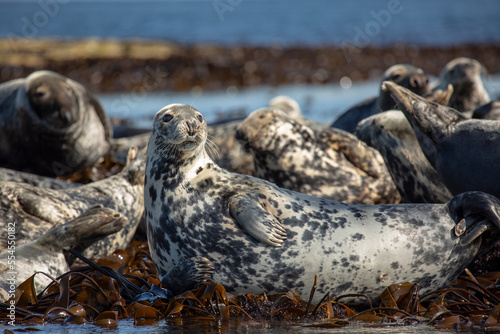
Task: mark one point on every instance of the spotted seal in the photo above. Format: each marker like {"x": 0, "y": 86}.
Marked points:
{"x": 262, "y": 237}
{"x": 331, "y": 163}
{"x": 464, "y": 74}
{"x": 405, "y": 75}
{"x": 417, "y": 181}
{"x": 45, "y": 253}
{"x": 465, "y": 152}
{"x": 50, "y": 125}
{"x": 35, "y": 210}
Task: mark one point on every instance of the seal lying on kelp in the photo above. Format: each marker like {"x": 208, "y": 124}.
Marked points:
{"x": 35, "y": 210}
{"x": 262, "y": 237}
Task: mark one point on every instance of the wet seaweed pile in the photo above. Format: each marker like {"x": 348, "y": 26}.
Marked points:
{"x": 125, "y": 285}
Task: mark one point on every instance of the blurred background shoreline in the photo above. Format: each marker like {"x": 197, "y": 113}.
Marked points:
{"x": 231, "y": 56}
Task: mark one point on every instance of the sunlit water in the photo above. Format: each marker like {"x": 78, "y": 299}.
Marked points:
{"x": 320, "y": 103}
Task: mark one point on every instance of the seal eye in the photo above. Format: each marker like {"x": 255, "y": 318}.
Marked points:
{"x": 167, "y": 118}
{"x": 200, "y": 118}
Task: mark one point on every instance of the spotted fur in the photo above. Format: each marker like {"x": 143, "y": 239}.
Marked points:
{"x": 32, "y": 211}
{"x": 195, "y": 208}
{"x": 45, "y": 254}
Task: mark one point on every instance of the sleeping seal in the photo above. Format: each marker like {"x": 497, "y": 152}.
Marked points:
{"x": 35, "y": 210}
{"x": 465, "y": 152}
{"x": 50, "y": 125}
{"x": 405, "y": 75}
{"x": 262, "y": 237}
{"x": 331, "y": 163}
{"x": 391, "y": 134}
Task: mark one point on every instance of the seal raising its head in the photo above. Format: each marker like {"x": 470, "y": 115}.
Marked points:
{"x": 50, "y": 125}
{"x": 262, "y": 237}
{"x": 465, "y": 152}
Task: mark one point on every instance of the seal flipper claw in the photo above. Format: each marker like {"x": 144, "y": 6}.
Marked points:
{"x": 476, "y": 212}
{"x": 188, "y": 274}
{"x": 256, "y": 221}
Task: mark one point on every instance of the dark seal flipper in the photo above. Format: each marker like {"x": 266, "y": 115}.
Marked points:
{"x": 188, "y": 275}
{"x": 476, "y": 213}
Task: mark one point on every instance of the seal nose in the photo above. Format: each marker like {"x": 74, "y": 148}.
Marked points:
{"x": 191, "y": 127}
{"x": 419, "y": 82}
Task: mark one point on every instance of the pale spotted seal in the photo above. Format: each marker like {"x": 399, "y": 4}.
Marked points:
{"x": 45, "y": 254}
{"x": 50, "y": 125}
{"x": 465, "y": 152}
{"x": 464, "y": 74}
{"x": 260, "y": 237}
{"x": 35, "y": 210}
{"x": 331, "y": 163}
{"x": 391, "y": 134}
{"x": 405, "y": 75}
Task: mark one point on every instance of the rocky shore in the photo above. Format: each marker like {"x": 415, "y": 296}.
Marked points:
{"x": 106, "y": 66}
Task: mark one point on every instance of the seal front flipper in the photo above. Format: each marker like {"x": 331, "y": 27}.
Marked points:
{"x": 475, "y": 213}
{"x": 256, "y": 221}
{"x": 188, "y": 274}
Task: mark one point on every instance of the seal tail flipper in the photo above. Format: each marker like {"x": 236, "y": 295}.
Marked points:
{"x": 475, "y": 213}
{"x": 81, "y": 232}
{"x": 256, "y": 221}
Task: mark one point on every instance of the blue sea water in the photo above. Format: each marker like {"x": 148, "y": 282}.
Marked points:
{"x": 258, "y": 22}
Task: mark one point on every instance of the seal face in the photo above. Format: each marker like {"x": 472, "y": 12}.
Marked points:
{"x": 330, "y": 163}
{"x": 260, "y": 237}
{"x": 405, "y": 75}
{"x": 391, "y": 134}
{"x": 50, "y": 125}
{"x": 464, "y": 74}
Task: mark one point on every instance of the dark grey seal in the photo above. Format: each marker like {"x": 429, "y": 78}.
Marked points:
{"x": 260, "y": 237}
{"x": 464, "y": 74}
{"x": 50, "y": 125}
{"x": 417, "y": 181}
{"x": 331, "y": 163}
{"x": 465, "y": 152}
{"x": 405, "y": 75}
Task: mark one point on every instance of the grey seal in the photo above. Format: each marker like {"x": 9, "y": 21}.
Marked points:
{"x": 50, "y": 125}
{"x": 405, "y": 75}
{"x": 464, "y": 74}
{"x": 45, "y": 254}
{"x": 417, "y": 181}
{"x": 260, "y": 237}
{"x": 465, "y": 152}
{"x": 35, "y": 210}
{"x": 490, "y": 111}
{"x": 10, "y": 175}
{"x": 331, "y": 163}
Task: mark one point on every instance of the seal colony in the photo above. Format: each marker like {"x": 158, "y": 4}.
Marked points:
{"x": 260, "y": 237}
{"x": 50, "y": 125}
